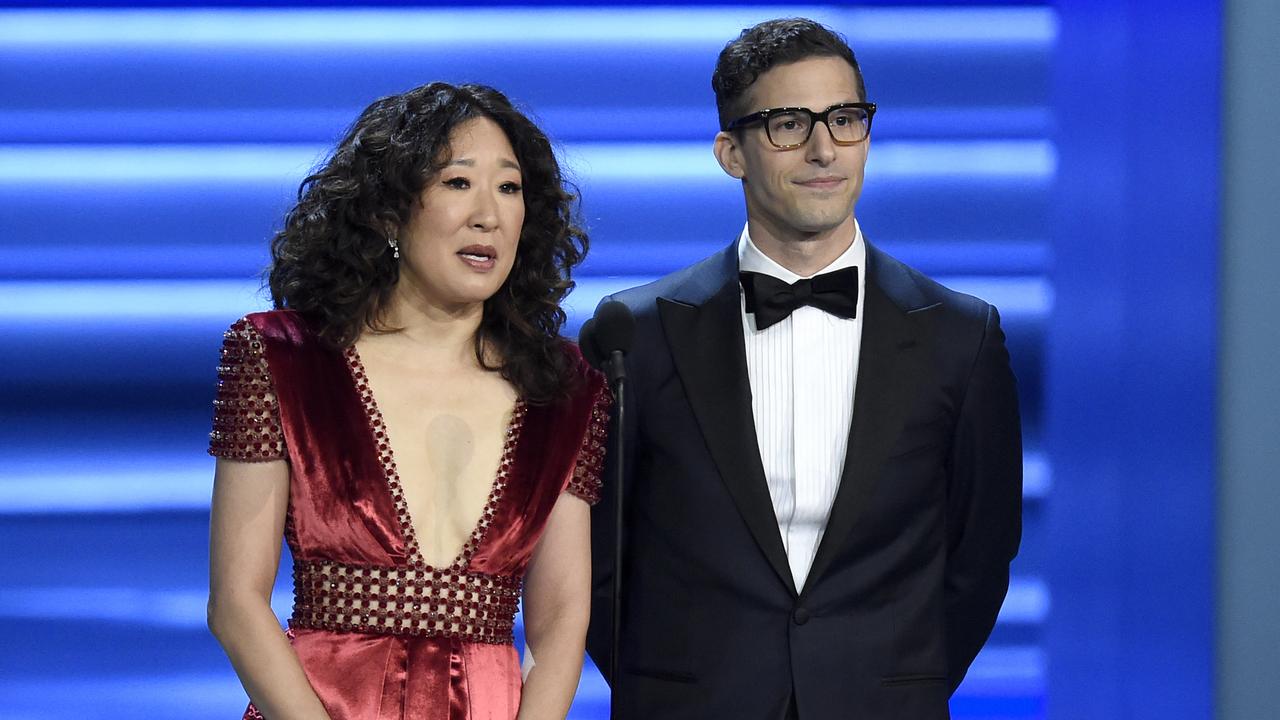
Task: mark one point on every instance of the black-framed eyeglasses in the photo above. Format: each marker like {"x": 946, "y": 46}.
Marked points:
{"x": 790, "y": 127}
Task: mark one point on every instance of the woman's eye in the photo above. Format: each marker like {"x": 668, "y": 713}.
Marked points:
{"x": 510, "y": 187}
{"x": 458, "y": 183}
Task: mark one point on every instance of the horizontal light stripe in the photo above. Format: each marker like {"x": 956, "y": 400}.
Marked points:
{"x": 585, "y": 298}
{"x": 617, "y": 162}
{"x": 106, "y": 484}
{"x": 1003, "y": 674}
{"x": 1030, "y": 159}
{"x": 1005, "y": 662}
{"x": 565, "y": 123}
{"x": 294, "y": 27}
{"x": 932, "y": 26}
{"x": 1027, "y": 295}
{"x": 231, "y": 162}
{"x": 627, "y": 251}
{"x": 158, "y": 608}
{"x": 90, "y": 300}
{"x": 178, "y": 300}
{"x": 216, "y": 694}
{"x": 1027, "y": 602}
{"x": 128, "y": 692}
{"x": 525, "y": 26}
{"x": 190, "y": 696}
{"x": 186, "y": 607}
{"x": 1027, "y": 159}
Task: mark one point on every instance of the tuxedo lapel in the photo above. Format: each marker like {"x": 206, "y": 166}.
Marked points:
{"x": 703, "y": 325}
{"x": 889, "y": 373}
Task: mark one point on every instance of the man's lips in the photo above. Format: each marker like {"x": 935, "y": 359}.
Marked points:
{"x": 826, "y": 182}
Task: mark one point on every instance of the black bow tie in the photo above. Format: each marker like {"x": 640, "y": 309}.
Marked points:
{"x": 771, "y": 300}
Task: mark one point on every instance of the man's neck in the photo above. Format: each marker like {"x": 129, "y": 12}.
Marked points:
{"x": 802, "y": 253}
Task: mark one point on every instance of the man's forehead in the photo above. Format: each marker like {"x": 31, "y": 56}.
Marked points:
{"x": 814, "y": 83}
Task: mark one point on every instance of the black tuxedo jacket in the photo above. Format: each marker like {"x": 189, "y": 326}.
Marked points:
{"x": 913, "y": 565}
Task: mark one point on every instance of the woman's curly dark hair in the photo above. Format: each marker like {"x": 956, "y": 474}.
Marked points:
{"x": 332, "y": 262}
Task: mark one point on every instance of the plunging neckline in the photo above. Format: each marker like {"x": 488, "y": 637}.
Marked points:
{"x": 386, "y": 456}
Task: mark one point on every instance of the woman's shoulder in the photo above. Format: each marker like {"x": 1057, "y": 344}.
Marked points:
{"x": 273, "y": 322}
{"x": 275, "y": 334}
{"x": 587, "y": 379}
{"x": 277, "y": 327}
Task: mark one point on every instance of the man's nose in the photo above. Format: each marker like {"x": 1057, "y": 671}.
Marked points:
{"x": 821, "y": 148}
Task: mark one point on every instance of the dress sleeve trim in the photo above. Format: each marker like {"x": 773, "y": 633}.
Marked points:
{"x": 246, "y": 412}
{"x": 586, "y": 481}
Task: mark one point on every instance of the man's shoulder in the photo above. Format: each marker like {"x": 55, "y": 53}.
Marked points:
{"x": 908, "y": 287}
{"x": 692, "y": 283}
{"x": 913, "y": 290}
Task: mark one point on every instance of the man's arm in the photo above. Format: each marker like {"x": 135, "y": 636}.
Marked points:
{"x": 984, "y": 502}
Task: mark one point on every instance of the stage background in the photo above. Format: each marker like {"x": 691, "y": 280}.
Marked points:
{"x": 1061, "y": 162}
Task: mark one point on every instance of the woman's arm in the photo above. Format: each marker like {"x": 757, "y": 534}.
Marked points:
{"x": 247, "y": 522}
{"x": 557, "y": 604}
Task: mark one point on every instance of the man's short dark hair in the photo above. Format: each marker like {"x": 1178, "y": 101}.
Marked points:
{"x": 769, "y": 44}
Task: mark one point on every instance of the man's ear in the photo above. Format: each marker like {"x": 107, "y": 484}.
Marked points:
{"x": 729, "y": 155}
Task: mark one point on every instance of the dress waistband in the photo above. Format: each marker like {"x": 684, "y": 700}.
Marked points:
{"x": 404, "y": 601}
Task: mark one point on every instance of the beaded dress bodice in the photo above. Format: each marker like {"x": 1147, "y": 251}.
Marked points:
{"x": 359, "y": 581}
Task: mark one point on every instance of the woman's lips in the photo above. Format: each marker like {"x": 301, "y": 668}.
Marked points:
{"x": 479, "y": 257}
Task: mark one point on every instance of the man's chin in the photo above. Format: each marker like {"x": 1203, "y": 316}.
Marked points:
{"x": 820, "y": 224}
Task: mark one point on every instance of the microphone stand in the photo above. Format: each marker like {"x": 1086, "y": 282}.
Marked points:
{"x": 617, "y": 381}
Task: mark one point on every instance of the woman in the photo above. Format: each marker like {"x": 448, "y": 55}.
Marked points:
{"x": 411, "y": 421}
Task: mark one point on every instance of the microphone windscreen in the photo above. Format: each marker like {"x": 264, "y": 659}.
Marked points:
{"x": 587, "y": 343}
{"x": 614, "y": 328}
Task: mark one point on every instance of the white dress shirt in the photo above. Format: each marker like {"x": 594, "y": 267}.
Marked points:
{"x": 803, "y": 373}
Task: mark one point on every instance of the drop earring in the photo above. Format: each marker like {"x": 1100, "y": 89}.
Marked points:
{"x": 395, "y": 247}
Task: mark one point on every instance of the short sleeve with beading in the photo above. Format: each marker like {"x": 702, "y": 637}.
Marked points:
{"x": 587, "y": 469}
{"x": 246, "y": 414}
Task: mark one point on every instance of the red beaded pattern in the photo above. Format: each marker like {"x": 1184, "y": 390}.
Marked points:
{"x": 246, "y": 414}
{"x": 589, "y": 465}
{"x": 387, "y": 457}
{"x": 404, "y": 601}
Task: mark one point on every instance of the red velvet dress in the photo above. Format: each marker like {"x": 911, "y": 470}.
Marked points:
{"x": 379, "y": 633}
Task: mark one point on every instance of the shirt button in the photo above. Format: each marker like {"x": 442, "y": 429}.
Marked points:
{"x": 800, "y": 616}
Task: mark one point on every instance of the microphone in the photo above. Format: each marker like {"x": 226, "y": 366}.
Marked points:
{"x": 587, "y": 343}
{"x": 605, "y": 340}
{"x": 610, "y": 334}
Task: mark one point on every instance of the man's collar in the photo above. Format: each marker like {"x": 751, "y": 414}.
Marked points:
{"x": 752, "y": 259}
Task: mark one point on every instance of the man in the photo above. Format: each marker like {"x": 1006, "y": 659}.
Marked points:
{"x": 823, "y": 475}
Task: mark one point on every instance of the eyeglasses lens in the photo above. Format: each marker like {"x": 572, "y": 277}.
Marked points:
{"x": 789, "y": 129}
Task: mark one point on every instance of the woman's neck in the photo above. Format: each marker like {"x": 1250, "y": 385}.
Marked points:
{"x": 434, "y": 333}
